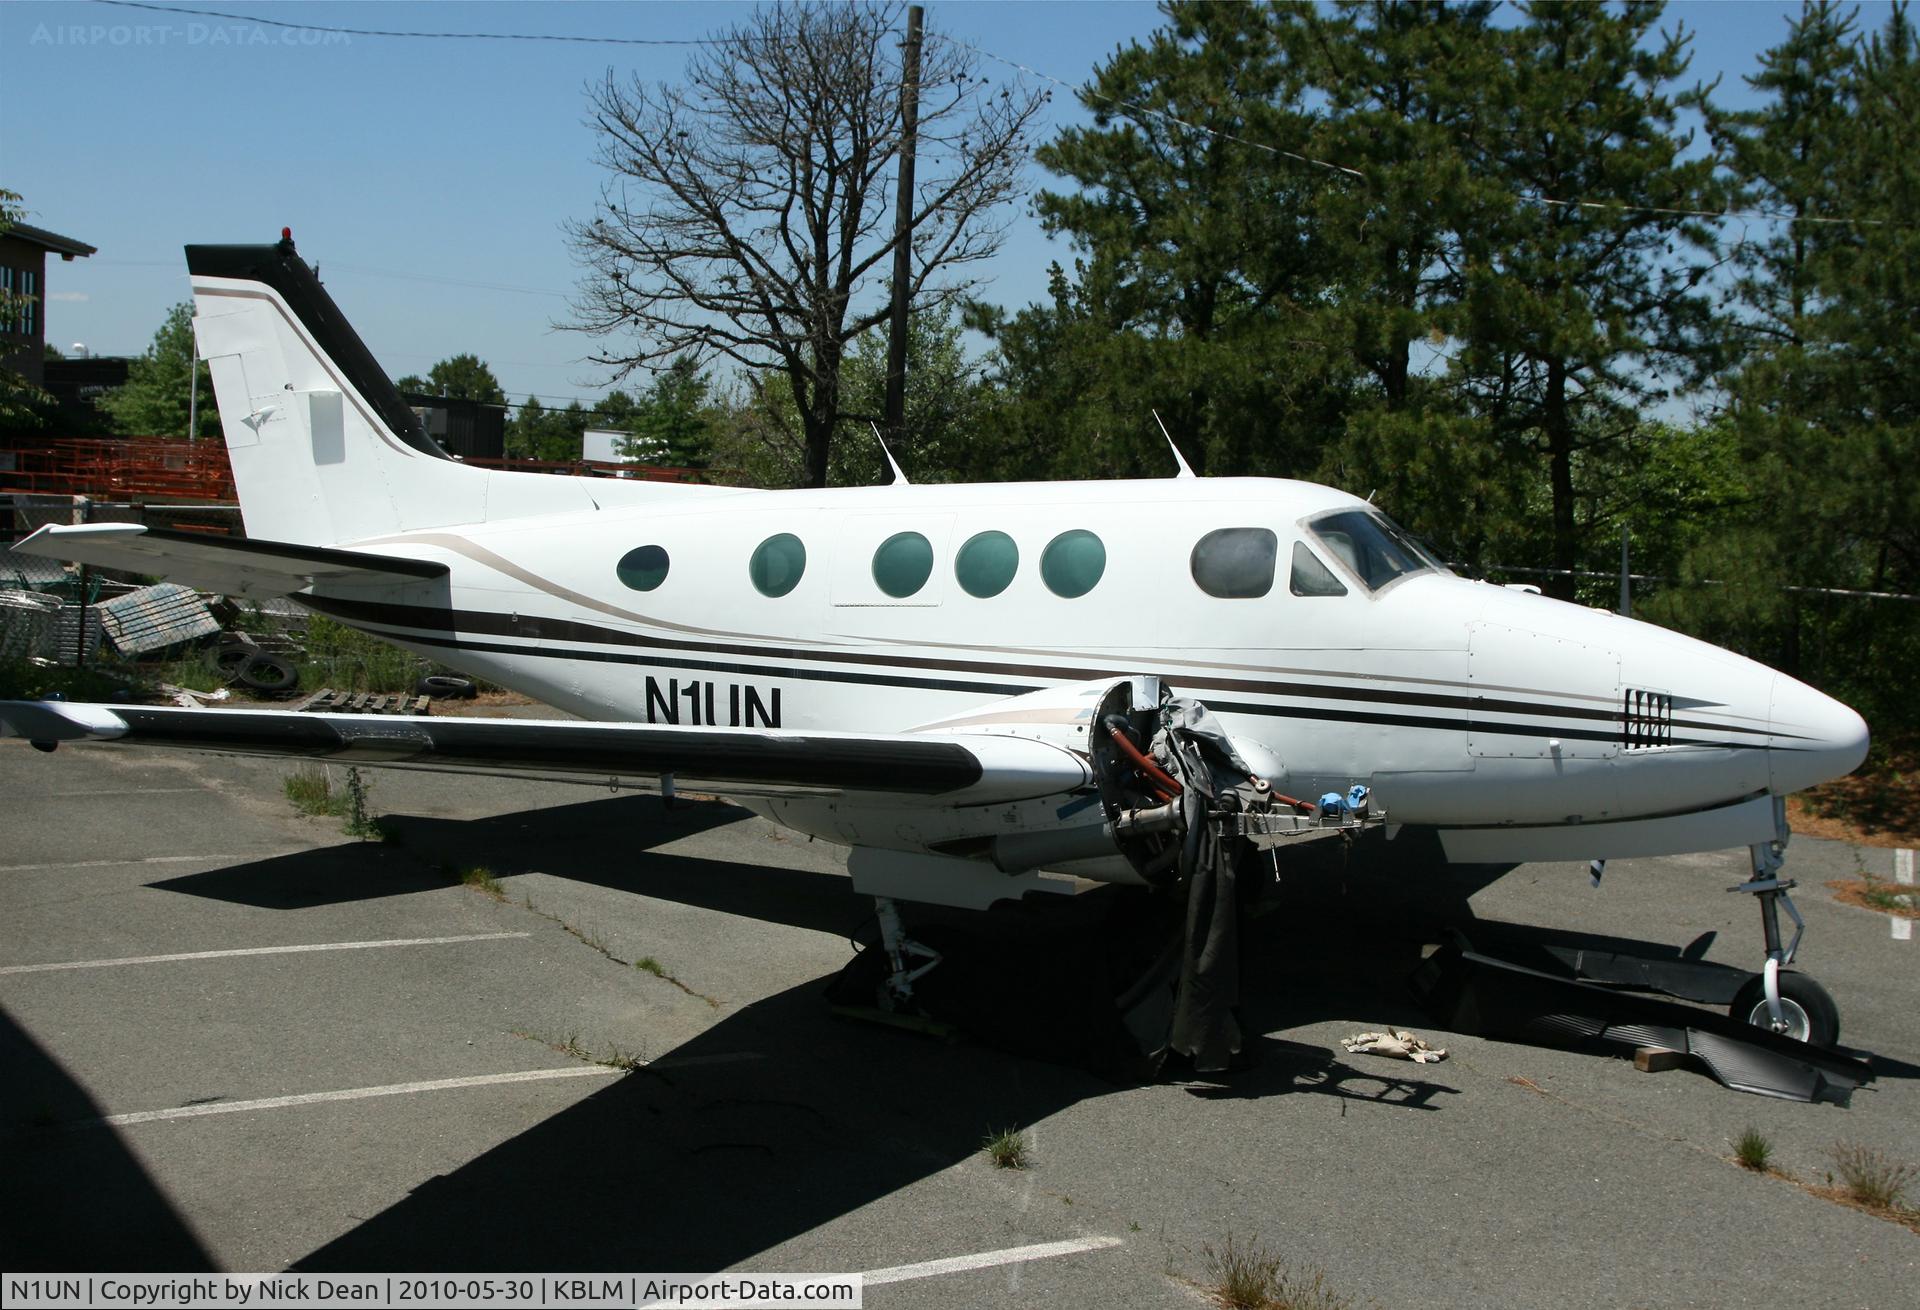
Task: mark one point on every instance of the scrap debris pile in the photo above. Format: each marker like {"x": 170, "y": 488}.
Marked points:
{"x": 169, "y": 642}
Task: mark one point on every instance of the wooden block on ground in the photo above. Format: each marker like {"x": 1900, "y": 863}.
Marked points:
{"x": 1656, "y": 1059}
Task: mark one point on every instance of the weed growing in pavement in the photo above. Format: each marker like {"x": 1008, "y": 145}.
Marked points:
{"x": 569, "y": 1044}
{"x": 310, "y": 788}
{"x": 1870, "y": 1176}
{"x": 1753, "y": 1151}
{"x": 358, "y": 822}
{"x": 481, "y": 879}
{"x": 1008, "y": 1148}
{"x": 1250, "y": 1278}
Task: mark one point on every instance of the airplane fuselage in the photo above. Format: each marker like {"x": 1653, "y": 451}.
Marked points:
{"x": 1501, "y": 717}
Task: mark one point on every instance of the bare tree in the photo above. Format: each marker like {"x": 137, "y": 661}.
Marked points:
{"x": 748, "y": 214}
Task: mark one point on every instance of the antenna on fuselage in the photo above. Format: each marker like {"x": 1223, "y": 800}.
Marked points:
{"x": 892, "y": 463}
{"x": 1178, "y": 458}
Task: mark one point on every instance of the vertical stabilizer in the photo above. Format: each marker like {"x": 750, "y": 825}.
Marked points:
{"x": 324, "y": 448}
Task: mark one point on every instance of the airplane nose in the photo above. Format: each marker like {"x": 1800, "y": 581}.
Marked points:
{"x": 1814, "y": 737}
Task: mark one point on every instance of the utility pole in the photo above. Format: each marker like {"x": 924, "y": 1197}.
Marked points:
{"x": 895, "y": 418}
{"x": 193, "y": 390}
{"x": 1626, "y": 578}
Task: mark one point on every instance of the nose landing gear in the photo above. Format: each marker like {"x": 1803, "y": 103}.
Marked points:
{"x": 1779, "y": 999}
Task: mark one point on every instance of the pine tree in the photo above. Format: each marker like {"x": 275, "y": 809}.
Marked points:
{"x": 1825, "y": 406}
{"x": 1200, "y": 273}
{"x": 1581, "y": 305}
{"x": 1403, "y": 86}
{"x": 1787, "y": 158}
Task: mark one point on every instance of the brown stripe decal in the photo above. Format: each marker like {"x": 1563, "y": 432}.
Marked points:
{"x": 673, "y": 654}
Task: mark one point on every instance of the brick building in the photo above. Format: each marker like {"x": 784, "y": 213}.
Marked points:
{"x": 23, "y": 271}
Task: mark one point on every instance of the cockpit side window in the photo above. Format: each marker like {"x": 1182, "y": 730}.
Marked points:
{"x": 1310, "y": 576}
{"x": 1235, "y": 563}
{"x": 1377, "y": 549}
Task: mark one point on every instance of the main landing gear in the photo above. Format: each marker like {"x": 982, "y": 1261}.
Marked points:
{"x": 1778, "y": 999}
{"x": 907, "y": 959}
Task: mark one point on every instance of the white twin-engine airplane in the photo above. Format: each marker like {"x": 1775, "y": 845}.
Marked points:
{"x": 970, "y": 686}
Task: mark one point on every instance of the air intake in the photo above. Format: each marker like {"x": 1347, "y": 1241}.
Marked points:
{"x": 1646, "y": 719}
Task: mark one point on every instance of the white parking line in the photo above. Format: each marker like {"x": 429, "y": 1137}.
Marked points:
{"x": 352, "y": 1094}
{"x": 260, "y": 950}
{"x": 118, "y": 791}
{"x": 1901, "y": 926}
{"x": 218, "y": 858}
{"x": 1012, "y": 1255}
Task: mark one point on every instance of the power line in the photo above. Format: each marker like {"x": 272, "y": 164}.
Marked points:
{"x": 1706, "y": 582}
{"x": 552, "y": 404}
{"x": 1125, "y": 106}
{"x": 436, "y": 36}
{"x": 1149, "y": 110}
{"x": 1128, "y": 106}
{"x": 446, "y": 281}
{"x": 337, "y": 266}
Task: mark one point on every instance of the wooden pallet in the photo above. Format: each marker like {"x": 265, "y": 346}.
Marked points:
{"x": 153, "y": 618}
{"x": 363, "y": 702}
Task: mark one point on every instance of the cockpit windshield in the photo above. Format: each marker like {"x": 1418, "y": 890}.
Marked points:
{"x": 1373, "y": 546}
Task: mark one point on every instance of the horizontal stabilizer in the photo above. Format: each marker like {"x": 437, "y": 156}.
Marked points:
{"x": 971, "y": 769}
{"x": 231, "y": 566}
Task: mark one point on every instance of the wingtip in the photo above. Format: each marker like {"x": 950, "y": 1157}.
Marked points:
{"x": 54, "y": 721}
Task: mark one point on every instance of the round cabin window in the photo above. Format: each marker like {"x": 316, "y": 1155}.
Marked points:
{"x": 903, "y": 564}
{"x": 1072, "y": 563}
{"x": 777, "y": 564}
{"x": 643, "y": 568}
{"x": 986, "y": 564}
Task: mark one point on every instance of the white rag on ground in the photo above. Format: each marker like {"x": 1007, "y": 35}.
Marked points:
{"x": 1399, "y": 1046}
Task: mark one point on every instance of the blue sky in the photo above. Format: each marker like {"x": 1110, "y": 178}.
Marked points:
{"x": 409, "y": 169}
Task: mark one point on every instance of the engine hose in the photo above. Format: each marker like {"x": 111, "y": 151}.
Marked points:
{"x": 1305, "y": 807}
{"x": 1153, "y": 772}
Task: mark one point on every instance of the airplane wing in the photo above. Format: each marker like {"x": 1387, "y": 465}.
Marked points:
{"x": 955, "y": 768}
{"x": 234, "y": 567}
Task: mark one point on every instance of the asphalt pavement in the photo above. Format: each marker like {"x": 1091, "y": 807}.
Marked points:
{"x": 237, "y": 1038}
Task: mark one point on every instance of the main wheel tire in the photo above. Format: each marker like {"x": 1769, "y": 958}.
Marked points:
{"x": 1811, "y": 1015}
{"x": 441, "y": 687}
{"x": 268, "y": 673}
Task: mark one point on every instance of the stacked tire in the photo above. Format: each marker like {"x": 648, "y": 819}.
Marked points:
{"x": 248, "y": 666}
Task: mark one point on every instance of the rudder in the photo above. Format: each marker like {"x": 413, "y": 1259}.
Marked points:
{"x": 324, "y": 448}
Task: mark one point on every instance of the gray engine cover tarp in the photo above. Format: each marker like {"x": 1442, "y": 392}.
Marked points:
{"x": 1197, "y": 751}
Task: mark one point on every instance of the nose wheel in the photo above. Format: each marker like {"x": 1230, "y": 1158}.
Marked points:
{"x": 1778, "y": 998}
{"x": 1807, "y": 1013}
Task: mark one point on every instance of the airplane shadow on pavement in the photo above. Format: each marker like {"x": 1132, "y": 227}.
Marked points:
{"x": 605, "y": 843}
{"x": 782, "y": 1117}
{"x": 72, "y": 1195}
{"x": 702, "y": 1161}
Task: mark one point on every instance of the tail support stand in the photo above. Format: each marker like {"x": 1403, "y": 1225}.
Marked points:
{"x": 1771, "y": 889}
{"x": 901, "y": 951}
